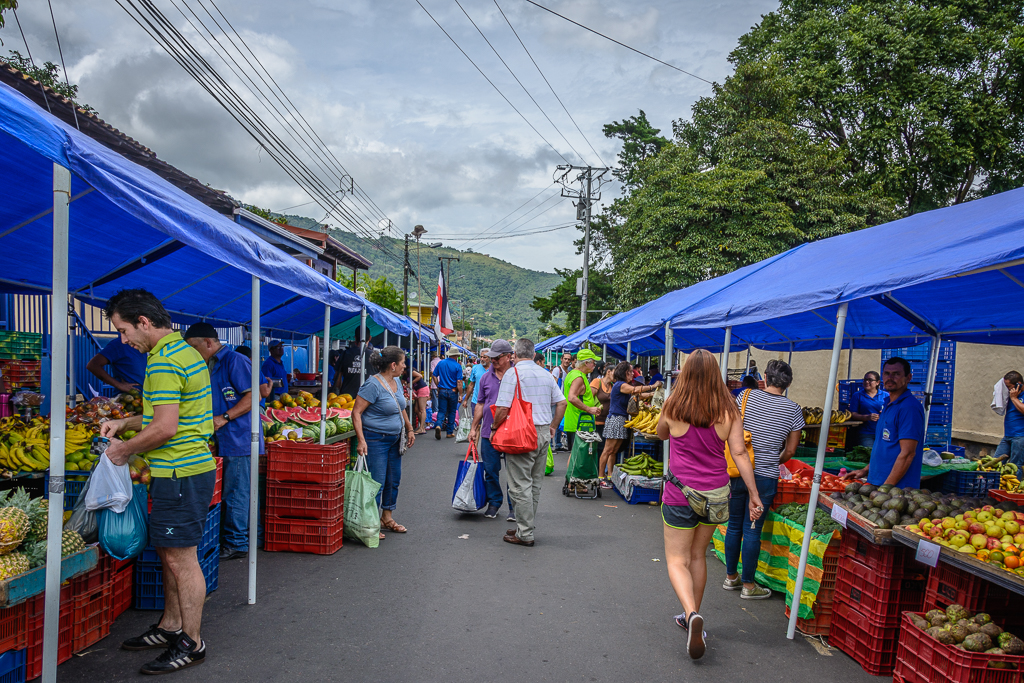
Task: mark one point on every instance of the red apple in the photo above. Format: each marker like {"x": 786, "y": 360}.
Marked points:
{"x": 993, "y": 544}
{"x": 935, "y": 531}
{"x": 976, "y": 528}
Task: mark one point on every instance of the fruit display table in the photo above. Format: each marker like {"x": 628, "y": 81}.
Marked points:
{"x": 858, "y": 524}
{"x": 1000, "y": 577}
{"x": 20, "y": 588}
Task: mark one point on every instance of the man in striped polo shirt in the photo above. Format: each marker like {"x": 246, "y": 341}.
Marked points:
{"x": 173, "y": 433}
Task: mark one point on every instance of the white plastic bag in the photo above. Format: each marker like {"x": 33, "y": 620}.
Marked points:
{"x": 110, "y": 486}
{"x": 465, "y": 424}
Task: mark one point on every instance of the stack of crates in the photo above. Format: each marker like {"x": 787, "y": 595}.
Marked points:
{"x": 847, "y": 388}
{"x": 940, "y": 417}
{"x": 305, "y": 497}
{"x": 148, "y": 586}
{"x": 21, "y": 345}
{"x": 18, "y": 374}
{"x": 875, "y": 584}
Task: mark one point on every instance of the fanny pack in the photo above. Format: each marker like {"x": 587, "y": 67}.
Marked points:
{"x": 714, "y": 504}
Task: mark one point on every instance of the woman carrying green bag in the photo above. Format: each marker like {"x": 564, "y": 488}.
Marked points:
{"x": 362, "y": 521}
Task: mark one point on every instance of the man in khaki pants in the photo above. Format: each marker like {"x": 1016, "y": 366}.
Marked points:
{"x": 526, "y": 471}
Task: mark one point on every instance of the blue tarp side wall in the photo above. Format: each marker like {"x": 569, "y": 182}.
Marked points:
{"x": 130, "y": 228}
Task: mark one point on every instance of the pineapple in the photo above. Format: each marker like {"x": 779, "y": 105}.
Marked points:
{"x": 13, "y": 564}
{"x": 35, "y": 552}
{"x": 38, "y": 515}
{"x": 70, "y": 543}
{"x": 16, "y": 519}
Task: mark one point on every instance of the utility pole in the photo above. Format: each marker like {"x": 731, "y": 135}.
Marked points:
{"x": 587, "y": 176}
{"x": 405, "y": 278}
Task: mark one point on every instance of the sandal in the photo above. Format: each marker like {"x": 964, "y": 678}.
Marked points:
{"x": 392, "y": 525}
{"x": 380, "y": 536}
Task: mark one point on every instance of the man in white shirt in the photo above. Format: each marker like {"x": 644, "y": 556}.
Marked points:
{"x": 526, "y": 471}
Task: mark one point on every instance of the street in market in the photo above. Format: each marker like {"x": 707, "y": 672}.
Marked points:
{"x": 590, "y": 601}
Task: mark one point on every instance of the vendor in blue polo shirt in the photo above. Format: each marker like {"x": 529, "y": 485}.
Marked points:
{"x": 899, "y": 436}
{"x": 231, "y": 384}
{"x": 129, "y": 365}
{"x": 273, "y": 367}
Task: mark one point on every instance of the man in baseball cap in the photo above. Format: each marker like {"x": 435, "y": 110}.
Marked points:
{"x": 273, "y": 367}
{"x": 500, "y": 357}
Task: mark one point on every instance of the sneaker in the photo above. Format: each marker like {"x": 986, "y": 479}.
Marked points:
{"x": 230, "y": 554}
{"x": 695, "y": 636}
{"x": 732, "y": 584}
{"x": 511, "y": 516}
{"x": 183, "y": 654}
{"x": 681, "y": 623}
{"x": 605, "y": 484}
{"x": 758, "y": 592}
{"x": 491, "y": 512}
{"x": 437, "y": 433}
{"x": 154, "y": 639}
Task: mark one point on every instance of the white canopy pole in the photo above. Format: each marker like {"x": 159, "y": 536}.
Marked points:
{"x": 72, "y": 382}
{"x": 629, "y": 352}
{"x": 254, "y": 442}
{"x": 819, "y": 463}
{"x": 323, "y": 380}
{"x": 929, "y": 387}
{"x": 667, "y": 372}
{"x": 746, "y": 367}
{"x": 604, "y": 352}
{"x": 725, "y": 354}
{"x": 362, "y": 336}
{"x": 849, "y": 362}
{"x": 58, "y": 399}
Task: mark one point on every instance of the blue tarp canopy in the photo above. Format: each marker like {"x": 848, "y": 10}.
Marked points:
{"x": 957, "y": 272}
{"x": 130, "y": 228}
{"x": 550, "y": 344}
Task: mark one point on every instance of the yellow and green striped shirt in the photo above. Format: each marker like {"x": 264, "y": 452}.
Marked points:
{"x": 176, "y": 373}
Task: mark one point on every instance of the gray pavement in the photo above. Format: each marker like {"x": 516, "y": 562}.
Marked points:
{"x": 591, "y": 601}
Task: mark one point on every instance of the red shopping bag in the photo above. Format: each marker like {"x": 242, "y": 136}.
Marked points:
{"x": 516, "y": 435}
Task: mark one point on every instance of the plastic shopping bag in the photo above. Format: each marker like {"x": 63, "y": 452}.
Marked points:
{"x": 550, "y": 466}
{"x": 469, "y": 494}
{"x": 85, "y": 522}
{"x": 110, "y": 486}
{"x": 465, "y": 422}
{"x": 362, "y": 518}
{"x": 123, "y": 535}
{"x": 516, "y": 435}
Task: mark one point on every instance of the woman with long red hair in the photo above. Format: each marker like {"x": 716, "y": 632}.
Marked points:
{"x": 698, "y": 419}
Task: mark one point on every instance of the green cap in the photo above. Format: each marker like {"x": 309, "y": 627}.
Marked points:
{"x": 587, "y": 354}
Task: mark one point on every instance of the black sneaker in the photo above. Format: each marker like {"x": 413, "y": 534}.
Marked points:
{"x": 229, "y": 554}
{"x": 695, "y": 636}
{"x": 491, "y": 512}
{"x": 154, "y": 639}
{"x": 181, "y": 655}
{"x": 437, "y": 433}
{"x": 511, "y": 516}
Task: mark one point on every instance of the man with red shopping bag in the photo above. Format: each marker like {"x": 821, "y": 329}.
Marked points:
{"x": 528, "y": 396}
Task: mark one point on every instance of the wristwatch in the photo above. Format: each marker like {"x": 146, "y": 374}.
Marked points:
{"x": 227, "y": 418}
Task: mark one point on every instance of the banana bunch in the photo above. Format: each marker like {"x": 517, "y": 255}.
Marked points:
{"x": 840, "y": 416}
{"x": 645, "y": 421}
{"x": 26, "y": 447}
{"x": 990, "y": 464}
{"x": 642, "y": 465}
{"x": 76, "y": 438}
{"x": 1010, "y": 482}
{"x": 815, "y": 416}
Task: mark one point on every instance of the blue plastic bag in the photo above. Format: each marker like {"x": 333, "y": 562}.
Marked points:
{"x": 123, "y": 535}
{"x": 469, "y": 494}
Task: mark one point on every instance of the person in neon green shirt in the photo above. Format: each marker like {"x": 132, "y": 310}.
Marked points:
{"x": 579, "y": 396}
{"x": 173, "y": 432}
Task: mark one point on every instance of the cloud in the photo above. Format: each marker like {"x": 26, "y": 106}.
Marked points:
{"x": 401, "y": 109}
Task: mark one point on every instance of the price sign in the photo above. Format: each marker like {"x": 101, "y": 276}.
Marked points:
{"x": 839, "y": 514}
{"x": 928, "y": 553}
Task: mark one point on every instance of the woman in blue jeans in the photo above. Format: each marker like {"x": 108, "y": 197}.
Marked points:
{"x": 774, "y": 423}
{"x": 379, "y": 419}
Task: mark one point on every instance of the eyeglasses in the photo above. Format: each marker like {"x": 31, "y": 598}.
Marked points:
{"x": 870, "y": 379}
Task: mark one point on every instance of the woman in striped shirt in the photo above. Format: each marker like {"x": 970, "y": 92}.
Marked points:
{"x": 774, "y": 423}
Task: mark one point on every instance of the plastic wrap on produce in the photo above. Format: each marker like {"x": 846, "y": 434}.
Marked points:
{"x": 625, "y": 483}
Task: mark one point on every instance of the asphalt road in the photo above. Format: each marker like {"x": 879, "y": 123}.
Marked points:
{"x": 591, "y": 601}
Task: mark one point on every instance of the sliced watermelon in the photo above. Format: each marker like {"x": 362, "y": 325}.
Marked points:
{"x": 333, "y": 412}
{"x": 278, "y": 415}
{"x": 343, "y": 414}
{"x": 266, "y": 420}
{"x": 307, "y": 416}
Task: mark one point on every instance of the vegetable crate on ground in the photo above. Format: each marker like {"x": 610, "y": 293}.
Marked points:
{"x": 948, "y": 585}
{"x": 305, "y": 497}
{"x": 13, "y": 666}
{"x": 636, "y": 489}
{"x": 798, "y": 489}
{"x": 922, "y": 659}
{"x": 867, "y": 639}
{"x": 970, "y": 483}
{"x": 149, "y": 579}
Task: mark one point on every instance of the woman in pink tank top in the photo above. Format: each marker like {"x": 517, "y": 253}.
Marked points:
{"x": 697, "y": 420}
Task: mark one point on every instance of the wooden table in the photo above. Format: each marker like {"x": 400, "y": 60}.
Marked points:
{"x": 858, "y": 524}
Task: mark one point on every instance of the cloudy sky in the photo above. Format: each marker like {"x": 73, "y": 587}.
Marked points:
{"x": 405, "y": 113}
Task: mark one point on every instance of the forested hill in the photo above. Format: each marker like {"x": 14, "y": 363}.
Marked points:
{"x": 497, "y": 293}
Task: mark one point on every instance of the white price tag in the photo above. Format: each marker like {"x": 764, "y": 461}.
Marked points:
{"x": 928, "y": 553}
{"x": 839, "y": 514}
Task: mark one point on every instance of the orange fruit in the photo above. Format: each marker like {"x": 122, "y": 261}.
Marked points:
{"x": 1011, "y": 561}
{"x": 996, "y": 556}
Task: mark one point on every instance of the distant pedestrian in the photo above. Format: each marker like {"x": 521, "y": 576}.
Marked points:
{"x": 526, "y": 471}
{"x": 538, "y": 358}
{"x": 435, "y": 358}
{"x": 355, "y": 366}
{"x": 656, "y": 375}
{"x": 472, "y": 385}
{"x": 448, "y": 374}
{"x": 379, "y": 419}
{"x": 559, "y": 374}
{"x": 615, "y": 431}
{"x": 774, "y": 423}
{"x": 500, "y": 355}
{"x": 420, "y": 394}
{"x": 866, "y": 406}
{"x": 697, "y": 419}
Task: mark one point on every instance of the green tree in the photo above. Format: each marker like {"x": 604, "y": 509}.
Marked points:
{"x": 4, "y": 6}
{"x": 266, "y": 214}
{"x": 925, "y": 97}
{"x": 48, "y": 74}
{"x": 563, "y": 301}
{"x": 640, "y": 140}
{"x": 378, "y": 291}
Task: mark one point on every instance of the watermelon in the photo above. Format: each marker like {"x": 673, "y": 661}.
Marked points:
{"x": 345, "y": 426}
{"x": 308, "y": 417}
{"x": 311, "y": 432}
{"x": 331, "y": 429}
{"x": 343, "y": 414}
{"x": 266, "y": 420}
{"x": 333, "y": 412}
{"x": 281, "y": 415}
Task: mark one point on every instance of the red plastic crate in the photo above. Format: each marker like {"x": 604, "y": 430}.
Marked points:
{"x": 121, "y": 593}
{"x": 998, "y": 494}
{"x": 14, "y": 627}
{"x": 821, "y": 623}
{"x": 91, "y": 618}
{"x": 884, "y": 559}
{"x": 320, "y": 537}
{"x": 869, "y": 642}
{"x": 308, "y": 462}
{"x": 218, "y": 486}
{"x": 95, "y": 578}
{"x": 948, "y": 585}
{"x": 35, "y": 608}
{"x": 922, "y": 659}
{"x": 307, "y": 501}
{"x": 878, "y": 595}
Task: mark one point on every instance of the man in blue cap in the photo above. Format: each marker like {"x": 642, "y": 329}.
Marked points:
{"x": 273, "y": 367}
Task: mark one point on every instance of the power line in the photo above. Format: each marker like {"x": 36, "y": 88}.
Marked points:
{"x": 528, "y": 94}
{"x": 533, "y": 218}
{"x": 617, "y": 42}
{"x": 74, "y": 107}
{"x": 548, "y": 83}
{"x": 496, "y": 88}
{"x": 541, "y": 229}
